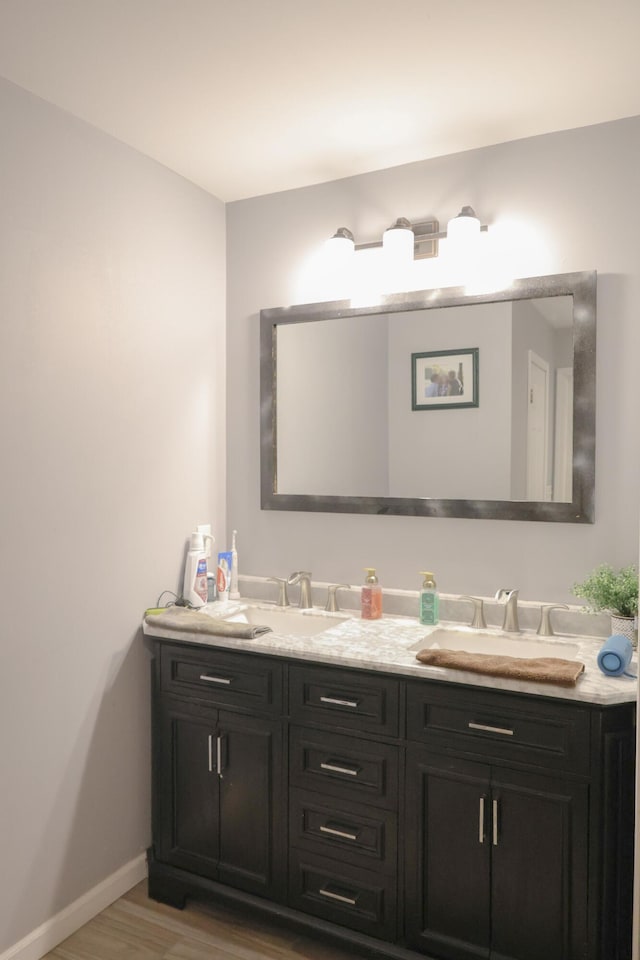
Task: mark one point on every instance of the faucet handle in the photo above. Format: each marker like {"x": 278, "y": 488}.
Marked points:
{"x": 544, "y": 628}
{"x": 283, "y": 597}
{"x": 478, "y": 622}
{"x": 332, "y": 602}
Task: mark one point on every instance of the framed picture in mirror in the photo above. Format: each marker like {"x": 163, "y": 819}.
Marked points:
{"x": 442, "y": 379}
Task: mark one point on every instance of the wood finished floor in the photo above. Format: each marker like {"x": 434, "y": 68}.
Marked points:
{"x": 137, "y": 928}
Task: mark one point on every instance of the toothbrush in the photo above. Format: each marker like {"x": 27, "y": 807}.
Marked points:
{"x": 234, "y": 593}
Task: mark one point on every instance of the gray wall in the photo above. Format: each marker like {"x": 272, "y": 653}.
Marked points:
{"x": 323, "y": 421}
{"x": 564, "y": 202}
{"x": 459, "y": 454}
{"x": 112, "y": 344}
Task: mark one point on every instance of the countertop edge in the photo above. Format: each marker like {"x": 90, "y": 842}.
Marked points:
{"x": 592, "y": 687}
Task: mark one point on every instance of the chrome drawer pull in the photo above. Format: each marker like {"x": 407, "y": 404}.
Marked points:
{"x": 495, "y": 823}
{"x": 481, "y": 821}
{"x": 339, "y": 703}
{"x": 210, "y": 753}
{"x": 335, "y": 769}
{"x": 225, "y": 680}
{"x": 339, "y": 833}
{"x": 482, "y": 726}
{"x": 219, "y": 755}
{"x": 337, "y": 896}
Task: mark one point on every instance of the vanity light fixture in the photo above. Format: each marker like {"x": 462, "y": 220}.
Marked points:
{"x": 341, "y": 243}
{"x": 418, "y": 240}
{"x": 398, "y": 240}
{"x": 465, "y": 227}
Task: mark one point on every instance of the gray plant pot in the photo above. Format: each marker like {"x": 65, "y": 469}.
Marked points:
{"x": 626, "y": 627}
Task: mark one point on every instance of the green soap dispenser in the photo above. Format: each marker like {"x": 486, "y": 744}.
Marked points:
{"x": 429, "y": 601}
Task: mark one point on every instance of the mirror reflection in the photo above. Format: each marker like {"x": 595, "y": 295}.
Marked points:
{"x": 391, "y": 400}
{"x": 434, "y": 403}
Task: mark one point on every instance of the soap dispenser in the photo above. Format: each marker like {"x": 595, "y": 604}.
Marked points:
{"x": 429, "y": 601}
{"x": 371, "y": 596}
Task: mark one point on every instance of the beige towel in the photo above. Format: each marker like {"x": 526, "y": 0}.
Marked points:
{"x": 537, "y": 669}
{"x": 182, "y": 618}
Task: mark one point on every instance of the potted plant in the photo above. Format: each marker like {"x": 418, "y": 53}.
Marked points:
{"x": 615, "y": 591}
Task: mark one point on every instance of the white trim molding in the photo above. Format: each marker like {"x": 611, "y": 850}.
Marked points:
{"x": 53, "y": 931}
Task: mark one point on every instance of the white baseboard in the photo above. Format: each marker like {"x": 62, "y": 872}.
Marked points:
{"x": 52, "y": 932}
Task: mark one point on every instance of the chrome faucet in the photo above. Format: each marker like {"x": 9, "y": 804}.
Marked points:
{"x": 510, "y": 597}
{"x": 303, "y": 577}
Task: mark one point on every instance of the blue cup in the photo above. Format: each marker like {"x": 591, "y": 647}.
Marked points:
{"x": 615, "y": 656}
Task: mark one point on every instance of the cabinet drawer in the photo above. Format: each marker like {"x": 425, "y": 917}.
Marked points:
{"x": 351, "y": 832}
{"x": 342, "y": 766}
{"x": 217, "y": 676}
{"x": 500, "y": 727}
{"x": 344, "y": 698}
{"x": 343, "y": 894}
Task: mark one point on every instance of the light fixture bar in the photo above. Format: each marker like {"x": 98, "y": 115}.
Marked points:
{"x": 425, "y": 243}
{"x": 427, "y": 233}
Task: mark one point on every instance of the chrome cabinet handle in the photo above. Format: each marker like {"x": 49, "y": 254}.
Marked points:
{"x": 218, "y": 764}
{"x": 495, "y": 823}
{"x": 334, "y": 768}
{"x": 481, "y": 833}
{"x": 225, "y": 680}
{"x": 483, "y": 726}
{"x": 337, "y": 896}
{"x": 339, "y": 703}
{"x": 339, "y": 833}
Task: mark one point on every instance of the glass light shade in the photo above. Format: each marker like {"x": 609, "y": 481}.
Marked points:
{"x": 398, "y": 241}
{"x": 464, "y": 228}
{"x": 340, "y": 246}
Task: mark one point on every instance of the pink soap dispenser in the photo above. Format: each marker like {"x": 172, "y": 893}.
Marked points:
{"x": 371, "y": 596}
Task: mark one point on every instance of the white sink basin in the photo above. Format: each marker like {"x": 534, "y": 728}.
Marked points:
{"x": 290, "y": 622}
{"x": 474, "y": 641}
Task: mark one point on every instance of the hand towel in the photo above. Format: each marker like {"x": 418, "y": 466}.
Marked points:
{"x": 182, "y": 618}
{"x": 537, "y": 669}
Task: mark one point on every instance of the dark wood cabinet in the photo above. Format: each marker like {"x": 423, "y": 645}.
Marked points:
{"x": 404, "y": 817}
{"x": 478, "y": 829}
{"x": 344, "y": 776}
{"x": 219, "y": 799}
{"x": 188, "y": 822}
{"x": 448, "y": 895}
{"x": 540, "y": 824}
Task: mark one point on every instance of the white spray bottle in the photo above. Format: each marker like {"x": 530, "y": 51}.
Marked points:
{"x": 195, "y": 570}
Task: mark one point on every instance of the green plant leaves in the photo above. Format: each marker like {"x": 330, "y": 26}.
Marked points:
{"x": 608, "y": 589}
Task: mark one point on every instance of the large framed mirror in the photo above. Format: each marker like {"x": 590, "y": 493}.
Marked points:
{"x": 434, "y": 403}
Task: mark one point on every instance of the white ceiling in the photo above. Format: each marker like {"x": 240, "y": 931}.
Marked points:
{"x": 245, "y": 97}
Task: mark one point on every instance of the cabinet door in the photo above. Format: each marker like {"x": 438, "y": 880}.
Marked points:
{"x": 448, "y": 856}
{"x": 252, "y": 828}
{"x": 539, "y": 867}
{"x": 188, "y": 801}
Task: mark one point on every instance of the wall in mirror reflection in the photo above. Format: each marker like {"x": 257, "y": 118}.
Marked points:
{"x": 346, "y": 427}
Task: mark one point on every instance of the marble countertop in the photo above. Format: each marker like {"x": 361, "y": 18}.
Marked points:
{"x": 389, "y": 646}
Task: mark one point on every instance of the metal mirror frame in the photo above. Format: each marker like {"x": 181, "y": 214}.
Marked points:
{"x": 581, "y": 286}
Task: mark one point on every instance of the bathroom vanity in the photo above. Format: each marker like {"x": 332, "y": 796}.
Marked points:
{"x": 403, "y": 810}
